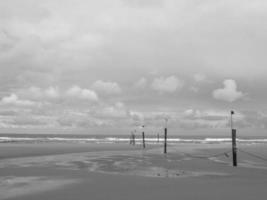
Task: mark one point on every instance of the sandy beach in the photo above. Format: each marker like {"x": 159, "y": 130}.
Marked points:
{"x": 121, "y": 171}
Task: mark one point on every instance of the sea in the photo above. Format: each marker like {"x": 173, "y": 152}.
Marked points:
{"x": 109, "y": 139}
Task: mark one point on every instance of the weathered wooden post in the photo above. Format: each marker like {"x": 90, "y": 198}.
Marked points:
{"x": 165, "y": 136}
{"x": 234, "y": 147}
{"x": 165, "y": 140}
{"x": 144, "y": 142}
{"x": 143, "y": 136}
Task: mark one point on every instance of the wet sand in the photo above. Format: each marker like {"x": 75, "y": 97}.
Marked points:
{"x": 121, "y": 171}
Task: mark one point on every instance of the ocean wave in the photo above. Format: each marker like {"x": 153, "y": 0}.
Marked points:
{"x": 152, "y": 140}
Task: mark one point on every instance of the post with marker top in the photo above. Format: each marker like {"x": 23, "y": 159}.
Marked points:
{"x": 234, "y": 147}
{"x": 233, "y": 131}
{"x": 143, "y": 136}
{"x": 144, "y": 142}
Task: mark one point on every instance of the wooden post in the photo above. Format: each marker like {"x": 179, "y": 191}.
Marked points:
{"x": 144, "y": 143}
{"x": 234, "y": 147}
{"x": 165, "y": 140}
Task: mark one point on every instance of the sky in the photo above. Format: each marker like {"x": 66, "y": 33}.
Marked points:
{"x": 83, "y": 66}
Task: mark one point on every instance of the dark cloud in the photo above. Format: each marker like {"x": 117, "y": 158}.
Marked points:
{"x": 28, "y": 121}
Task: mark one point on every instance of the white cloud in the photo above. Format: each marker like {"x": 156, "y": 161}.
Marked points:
{"x": 169, "y": 84}
{"x": 76, "y": 91}
{"x": 229, "y": 92}
{"x": 208, "y": 115}
{"x": 136, "y": 116}
{"x": 35, "y": 92}
{"x": 39, "y": 93}
{"x": 188, "y": 112}
{"x": 14, "y": 100}
{"x": 55, "y": 93}
{"x": 106, "y": 87}
{"x": 52, "y": 92}
{"x": 194, "y": 118}
{"x": 141, "y": 83}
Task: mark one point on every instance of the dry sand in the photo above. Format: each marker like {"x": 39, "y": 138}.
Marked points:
{"x": 120, "y": 171}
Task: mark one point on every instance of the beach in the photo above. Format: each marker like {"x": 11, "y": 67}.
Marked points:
{"x": 122, "y": 171}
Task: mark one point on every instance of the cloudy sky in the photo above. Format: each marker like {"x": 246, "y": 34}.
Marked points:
{"x": 110, "y": 66}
